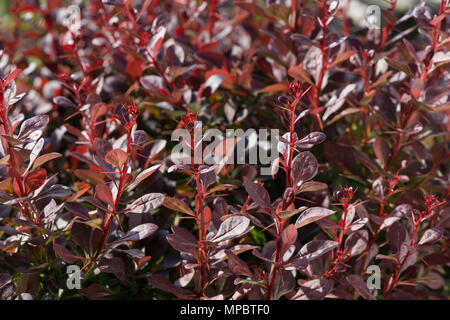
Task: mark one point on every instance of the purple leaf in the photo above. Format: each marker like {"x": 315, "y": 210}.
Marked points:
{"x": 5, "y": 278}
{"x": 284, "y": 283}
{"x": 357, "y": 282}
{"x": 236, "y": 265}
{"x": 63, "y": 102}
{"x": 315, "y": 289}
{"x": 313, "y": 62}
{"x": 400, "y": 211}
{"x": 35, "y": 152}
{"x": 146, "y": 203}
{"x": 290, "y": 213}
{"x": 220, "y": 209}
{"x": 143, "y": 175}
{"x": 312, "y": 214}
{"x": 213, "y": 58}
{"x": 45, "y": 158}
{"x": 65, "y": 254}
{"x": 304, "y": 168}
{"x": 232, "y": 227}
{"x": 406, "y": 249}
{"x": 433, "y": 280}
{"x": 302, "y": 39}
{"x": 311, "y": 139}
{"x": 182, "y": 240}
{"x": 337, "y": 100}
{"x": 316, "y": 248}
{"x": 102, "y": 146}
{"x": 134, "y": 253}
{"x": 257, "y": 193}
{"x": 138, "y": 233}
{"x": 381, "y": 149}
{"x": 207, "y": 175}
{"x": 431, "y": 235}
{"x": 152, "y": 82}
{"x": 162, "y": 283}
{"x": 77, "y": 209}
{"x": 55, "y": 191}
{"x": 395, "y": 236}
{"x": 356, "y": 242}
{"x": 358, "y": 224}
{"x": 139, "y": 136}
{"x": 113, "y": 265}
{"x": 33, "y": 128}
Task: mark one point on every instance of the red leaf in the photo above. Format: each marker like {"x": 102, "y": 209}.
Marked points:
{"x": 206, "y": 218}
{"x": 134, "y": 68}
{"x": 12, "y": 76}
{"x": 117, "y": 158}
{"x": 34, "y": 180}
{"x": 103, "y": 193}
{"x": 288, "y": 238}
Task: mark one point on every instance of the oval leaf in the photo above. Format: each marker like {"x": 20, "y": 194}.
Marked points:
{"x": 311, "y": 215}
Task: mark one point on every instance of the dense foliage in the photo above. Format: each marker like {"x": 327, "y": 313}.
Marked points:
{"x": 87, "y": 108}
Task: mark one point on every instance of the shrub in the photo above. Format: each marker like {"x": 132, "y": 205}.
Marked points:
{"x": 91, "y": 92}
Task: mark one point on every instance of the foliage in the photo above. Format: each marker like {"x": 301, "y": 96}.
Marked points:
{"x": 86, "y": 116}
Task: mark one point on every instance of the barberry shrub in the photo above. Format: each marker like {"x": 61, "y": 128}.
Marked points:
{"x": 357, "y": 202}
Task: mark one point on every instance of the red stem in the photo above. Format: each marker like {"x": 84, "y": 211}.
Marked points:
{"x": 422, "y": 216}
{"x": 212, "y": 19}
{"x": 387, "y": 29}
{"x": 275, "y": 268}
{"x": 377, "y": 230}
{"x": 340, "y": 254}
{"x": 110, "y": 216}
{"x": 200, "y": 220}
{"x": 424, "y": 74}
{"x": 323, "y": 68}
